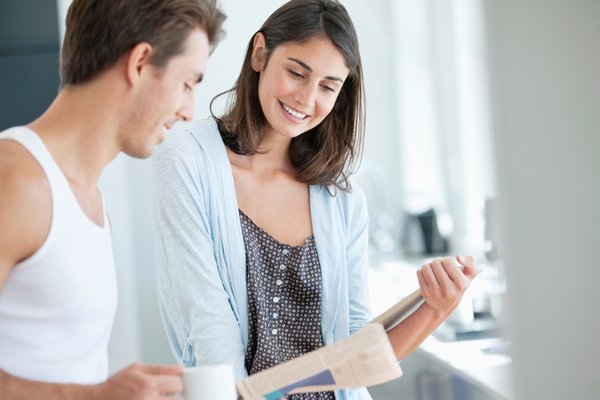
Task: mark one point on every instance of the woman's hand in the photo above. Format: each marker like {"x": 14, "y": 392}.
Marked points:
{"x": 443, "y": 283}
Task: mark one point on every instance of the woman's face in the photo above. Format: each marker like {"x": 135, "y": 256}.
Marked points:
{"x": 300, "y": 83}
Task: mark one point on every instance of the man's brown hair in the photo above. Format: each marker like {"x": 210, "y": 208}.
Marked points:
{"x": 99, "y": 32}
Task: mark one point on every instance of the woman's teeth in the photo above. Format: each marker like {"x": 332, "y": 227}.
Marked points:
{"x": 292, "y": 112}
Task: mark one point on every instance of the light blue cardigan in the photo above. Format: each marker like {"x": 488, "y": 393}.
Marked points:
{"x": 201, "y": 265}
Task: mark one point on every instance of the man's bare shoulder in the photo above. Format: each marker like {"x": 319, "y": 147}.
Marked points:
{"x": 25, "y": 203}
{"x": 20, "y": 172}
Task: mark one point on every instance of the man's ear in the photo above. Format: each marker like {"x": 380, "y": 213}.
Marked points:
{"x": 138, "y": 58}
{"x": 259, "y": 52}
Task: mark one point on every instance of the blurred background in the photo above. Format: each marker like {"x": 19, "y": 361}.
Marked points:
{"x": 483, "y": 138}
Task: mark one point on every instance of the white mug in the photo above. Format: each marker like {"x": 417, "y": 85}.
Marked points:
{"x": 209, "y": 382}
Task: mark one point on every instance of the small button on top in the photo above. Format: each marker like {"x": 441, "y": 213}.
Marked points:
{"x": 285, "y": 251}
{"x": 279, "y": 282}
{"x": 282, "y": 267}
{"x": 275, "y": 299}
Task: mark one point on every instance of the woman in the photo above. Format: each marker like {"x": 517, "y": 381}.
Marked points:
{"x": 262, "y": 241}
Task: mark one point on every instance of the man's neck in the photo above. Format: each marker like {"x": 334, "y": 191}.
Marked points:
{"x": 80, "y": 130}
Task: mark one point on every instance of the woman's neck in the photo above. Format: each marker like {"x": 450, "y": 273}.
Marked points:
{"x": 276, "y": 154}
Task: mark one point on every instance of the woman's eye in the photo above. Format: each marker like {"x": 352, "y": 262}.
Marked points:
{"x": 328, "y": 88}
{"x": 295, "y": 74}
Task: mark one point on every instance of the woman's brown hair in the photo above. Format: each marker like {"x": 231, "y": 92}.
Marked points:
{"x": 327, "y": 154}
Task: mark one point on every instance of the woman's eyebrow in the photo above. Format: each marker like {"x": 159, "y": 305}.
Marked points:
{"x": 309, "y": 69}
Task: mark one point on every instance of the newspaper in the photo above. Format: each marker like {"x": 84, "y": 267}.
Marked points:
{"x": 395, "y": 314}
{"x": 364, "y": 359}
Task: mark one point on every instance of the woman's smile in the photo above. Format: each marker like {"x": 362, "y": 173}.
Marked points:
{"x": 293, "y": 114}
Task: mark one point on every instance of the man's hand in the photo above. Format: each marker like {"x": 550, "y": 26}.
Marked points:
{"x": 141, "y": 382}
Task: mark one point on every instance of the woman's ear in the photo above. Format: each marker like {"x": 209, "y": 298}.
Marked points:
{"x": 259, "y": 51}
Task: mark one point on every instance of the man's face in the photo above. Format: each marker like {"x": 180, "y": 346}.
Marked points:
{"x": 164, "y": 96}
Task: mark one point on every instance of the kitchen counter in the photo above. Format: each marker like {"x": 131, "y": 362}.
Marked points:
{"x": 474, "y": 361}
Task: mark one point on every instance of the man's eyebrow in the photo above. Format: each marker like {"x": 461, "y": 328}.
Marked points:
{"x": 309, "y": 69}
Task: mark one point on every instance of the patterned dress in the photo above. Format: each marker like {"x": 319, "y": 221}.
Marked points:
{"x": 284, "y": 301}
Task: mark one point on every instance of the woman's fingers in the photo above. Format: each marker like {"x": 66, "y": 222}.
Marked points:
{"x": 468, "y": 263}
{"x": 440, "y": 268}
{"x": 429, "y": 276}
{"x": 443, "y": 283}
{"x": 458, "y": 277}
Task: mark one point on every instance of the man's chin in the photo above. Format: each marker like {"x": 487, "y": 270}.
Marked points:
{"x": 141, "y": 152}
{"x": 140, "y": 155}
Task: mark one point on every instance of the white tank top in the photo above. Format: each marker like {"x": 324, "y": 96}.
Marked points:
{"x": 57, "y": 307}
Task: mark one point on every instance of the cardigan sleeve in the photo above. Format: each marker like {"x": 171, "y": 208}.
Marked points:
{"x": 357, "y": 246}
{"x": 195, "y": 308}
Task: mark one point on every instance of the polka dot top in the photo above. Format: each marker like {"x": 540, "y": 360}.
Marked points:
{"x": 284, "y": 301}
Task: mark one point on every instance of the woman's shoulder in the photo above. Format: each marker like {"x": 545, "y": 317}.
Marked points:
{"x": 203, "y": 133}
{"x": 349, "y": 200}
{"x": 342, "y": 211}
{"x": 197, "y": 139}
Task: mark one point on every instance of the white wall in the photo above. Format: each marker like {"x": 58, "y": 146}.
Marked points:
{"x": 546, "y": 90}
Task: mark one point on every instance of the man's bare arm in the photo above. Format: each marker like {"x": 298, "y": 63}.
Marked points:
{"x": 136, "y": 382}
{"x": 25, "y": 218}
{"x": 25, "y": 207}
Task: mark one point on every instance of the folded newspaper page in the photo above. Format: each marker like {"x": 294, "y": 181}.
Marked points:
{"x": 395, "y": 314}
{"x": 364, "y": 359}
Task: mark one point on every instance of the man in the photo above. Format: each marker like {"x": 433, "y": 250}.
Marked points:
{"x": 128, "y": 70}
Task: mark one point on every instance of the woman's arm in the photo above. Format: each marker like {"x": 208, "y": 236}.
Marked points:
{"x": 442, "y": 285}
{"x": 357, "y": 250}
{"x": 195, "y": 308}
